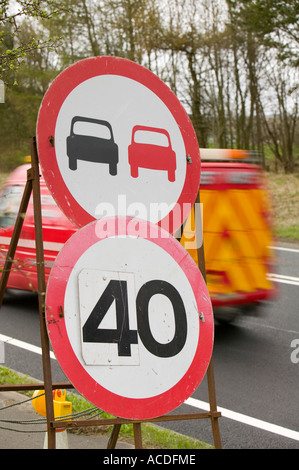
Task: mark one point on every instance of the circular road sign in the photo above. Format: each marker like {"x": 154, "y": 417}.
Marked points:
{"x": 129, "y": 317}
{"x": 114, "y": 140}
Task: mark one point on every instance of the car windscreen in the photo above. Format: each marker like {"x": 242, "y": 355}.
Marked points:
{"x": 150, "y": 137}
{"x": 10, "y": 198}
{"x": 92, "y": 129}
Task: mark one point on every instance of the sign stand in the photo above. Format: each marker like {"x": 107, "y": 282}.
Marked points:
{"x": 210, "y": 370}
{"x": 33, "y": 186}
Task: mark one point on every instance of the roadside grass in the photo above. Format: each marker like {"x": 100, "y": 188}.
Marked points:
{"x": 153, "y": 436}
{"x": 284, "y": 191}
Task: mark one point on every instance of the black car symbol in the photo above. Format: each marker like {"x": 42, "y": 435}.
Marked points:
{"x": 92, "y": 140}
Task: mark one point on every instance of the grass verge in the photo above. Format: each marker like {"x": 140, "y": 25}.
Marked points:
{"x": 284, "y": 190}
{"x": 153, "y": 436}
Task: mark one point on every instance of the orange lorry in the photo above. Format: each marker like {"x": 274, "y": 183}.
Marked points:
{"x": 237, "y": 232}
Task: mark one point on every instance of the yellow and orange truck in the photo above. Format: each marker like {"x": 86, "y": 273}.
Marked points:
{"x": 237, "y": 232}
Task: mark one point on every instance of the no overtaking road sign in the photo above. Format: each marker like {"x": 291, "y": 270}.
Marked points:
{"x": 114, "y": 140}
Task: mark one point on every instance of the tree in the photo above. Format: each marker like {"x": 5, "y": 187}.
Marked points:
{"x": 274, "y": 22}
{"x": 281, "y": 121}
{"x": 12, "y": 48}
{"x": 260, "y": 28}
{"x": 220, "y": 57}
{"x": 134, "y": 27}
{"x": 182, "y": 42}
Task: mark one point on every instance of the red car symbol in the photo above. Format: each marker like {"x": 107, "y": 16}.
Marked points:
{"x": 151, "y": 148}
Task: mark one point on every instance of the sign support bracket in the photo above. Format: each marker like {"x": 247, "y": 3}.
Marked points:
{"x": 33, "y": 187}
{"x": 210, "y": 370}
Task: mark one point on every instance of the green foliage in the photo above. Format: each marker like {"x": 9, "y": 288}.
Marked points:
{"x": 12, "y": 48}
{"x": 18, "y": 117}
{"x": 267, "y": 20}
{"x": 285, "y": 201}
{"x": 163, "y": 438}
{"x": 290, "y": 233}
{"x": 8, "y": 376}
{"x": 79, "y": 403}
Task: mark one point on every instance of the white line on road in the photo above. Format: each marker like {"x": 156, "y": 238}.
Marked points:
{"x": 294, "y": 281}
{"x": 257, "y": 423}
{"x": 294, "y": 250}
{"x": 23, "y": 345}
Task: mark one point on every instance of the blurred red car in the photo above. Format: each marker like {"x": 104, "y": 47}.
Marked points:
{"x": 56, "y": 230}
{"x": 151, "y": 148}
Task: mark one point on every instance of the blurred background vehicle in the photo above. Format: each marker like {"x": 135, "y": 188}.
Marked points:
{"x": 56, "y": 230}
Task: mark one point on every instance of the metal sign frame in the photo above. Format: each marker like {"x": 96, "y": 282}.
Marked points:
{"x": 33, "y": 186}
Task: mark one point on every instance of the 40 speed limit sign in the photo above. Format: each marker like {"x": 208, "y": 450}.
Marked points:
{"x": 129, "y": 318}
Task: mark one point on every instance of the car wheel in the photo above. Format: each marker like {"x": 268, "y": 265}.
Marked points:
{"x": 113, "y": 170}
{"x": 171, "y": 176}
{"x": 72, "y": 164}
{"x": 226, "y": 315}
{"x": 134, "y": 172}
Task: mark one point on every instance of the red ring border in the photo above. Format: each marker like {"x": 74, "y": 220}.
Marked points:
{"x": 130, "y": 408}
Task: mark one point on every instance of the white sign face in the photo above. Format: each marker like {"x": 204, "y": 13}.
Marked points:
{"x": 124, "y": 103}
{"x": 131, "y": 338}
{"x": 119, "y": 145}
{"x": 153, "y": 375}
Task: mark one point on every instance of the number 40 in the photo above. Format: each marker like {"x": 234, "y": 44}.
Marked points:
{"x": 122, "y": 335}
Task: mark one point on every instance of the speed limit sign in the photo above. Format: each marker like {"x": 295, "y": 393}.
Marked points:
{"x": 129, "y": 318}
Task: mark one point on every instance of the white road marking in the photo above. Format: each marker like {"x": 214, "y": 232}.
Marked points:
{"x": 30, "y": 243}
{"x": 23, "y": 345}
{"x": 257, "y": 423}
{"x": 294, "y": 250}
{"x": 291, "y": 280}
